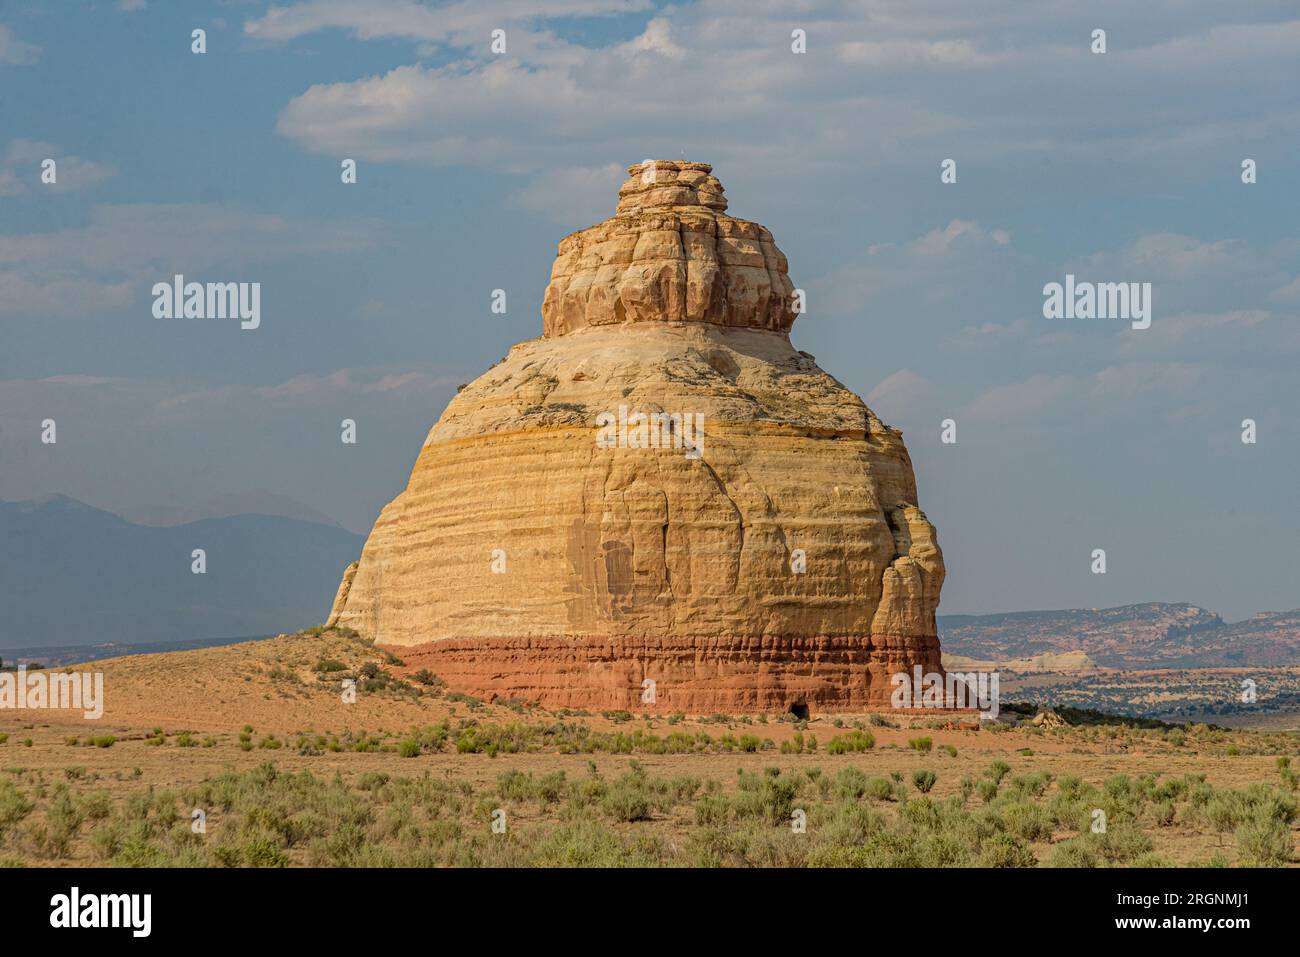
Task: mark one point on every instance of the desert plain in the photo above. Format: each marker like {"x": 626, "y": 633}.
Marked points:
{"x": 249, "y": 755}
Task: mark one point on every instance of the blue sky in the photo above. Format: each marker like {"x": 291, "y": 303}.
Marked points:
{"x": 925, "y": 298}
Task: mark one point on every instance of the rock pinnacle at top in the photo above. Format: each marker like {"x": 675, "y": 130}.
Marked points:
{"x": 669, "y": 254}
{"x": 670, "y": 183}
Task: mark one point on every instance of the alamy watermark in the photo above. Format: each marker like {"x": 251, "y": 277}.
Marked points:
{"x": 651, "y": 430}
{"x": 977, "y": 690}
{"x": 1102, "y": 300}
{"x": 75, "y": 909}
{"x": 62, "y": 690}
{"x": 179, "y": 299}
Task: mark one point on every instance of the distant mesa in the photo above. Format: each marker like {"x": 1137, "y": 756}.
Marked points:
{"x": 550, "y": 548}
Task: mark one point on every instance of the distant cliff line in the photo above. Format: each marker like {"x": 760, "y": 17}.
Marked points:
{"x": 1141, "y": 636}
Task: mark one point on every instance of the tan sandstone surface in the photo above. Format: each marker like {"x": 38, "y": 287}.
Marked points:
{"x": 773, "y": 556}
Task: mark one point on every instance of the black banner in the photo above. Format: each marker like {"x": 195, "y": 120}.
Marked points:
{"x": 209, "y": 907}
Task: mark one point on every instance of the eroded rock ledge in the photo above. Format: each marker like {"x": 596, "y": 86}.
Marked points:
{"x": 697, "y": 675}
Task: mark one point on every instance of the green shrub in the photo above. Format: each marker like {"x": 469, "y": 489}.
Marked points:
{"x": 1072, "y": 853}
{"x": 262, "y": 850}
{"x": 1264, "y": 842}
{"x": 851, "y": 783}
{"x": 851, "y": 741}
{"x": 712, "y": 810}
{"x": 426, "y": 677}
{"x": 1162, "y": 812}
{"x": 1030, "y": 785}
{"x": 1120, "y": 844}
{"x": 1003, "y": 850}
{"x": 626, "y": 803}
{"x": 1027, "y": 820}
{"x": 14, "y": 806}
{"x": 879, "y": 789}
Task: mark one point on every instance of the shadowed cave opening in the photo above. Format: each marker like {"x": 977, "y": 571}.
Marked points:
{"x": 800, "y": 711}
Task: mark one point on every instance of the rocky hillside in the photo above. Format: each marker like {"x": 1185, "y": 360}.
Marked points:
{"x": 1150, "y": 635}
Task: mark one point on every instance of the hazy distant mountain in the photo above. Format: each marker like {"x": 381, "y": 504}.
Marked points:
{"x": 1152, "y": 635}
{"x": 224, "y": 506}
{"x": 72, "y": 574}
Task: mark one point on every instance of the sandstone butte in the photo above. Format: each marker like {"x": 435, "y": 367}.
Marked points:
{"x": 619, "y": 566}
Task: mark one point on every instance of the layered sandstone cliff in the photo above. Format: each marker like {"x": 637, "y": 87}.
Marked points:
{"x": 571, "y": 535}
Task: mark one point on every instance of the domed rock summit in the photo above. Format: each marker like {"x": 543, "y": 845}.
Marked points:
{"x": 659, "y": 505}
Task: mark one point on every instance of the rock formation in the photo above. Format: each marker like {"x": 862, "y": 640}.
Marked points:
{"x": 659, "y": 505}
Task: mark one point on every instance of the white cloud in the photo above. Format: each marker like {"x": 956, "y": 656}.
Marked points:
{"x": 989, "y": 335}
{"x": 1110, "y": 397}
{"x": 60, "y": 296}
{"x": 1288, "y": 293}
{"x": 938, "y": 242}
{"x": 574, "y": 196}
{"x": 463, "y": 23}
{"x": 20, "y": 170}
{"x": 938, "y": 266}
{"x": 1029, "y": 399}
{"x": 14, "y": 51}
{"x": 899, "y": 394}
{"x": 78, "y": 379}
{"x": 718, "y": 77}
{"x": 1209, "y": 296}
{"x": 123, "y": 249}
{"x": 940, "y": 53}
{"x": 1159, "y": 256}
{"x": 1216, "y": 334}
{"x": 1120, "y": 383}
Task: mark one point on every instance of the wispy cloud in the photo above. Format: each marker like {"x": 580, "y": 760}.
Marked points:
{"x": 14, "y": 51}
{"x": 574, "y": 196}
{"x": 20, "y": 169}
{"x": 123, "y": 248}
{"x": 462, "y": 24}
